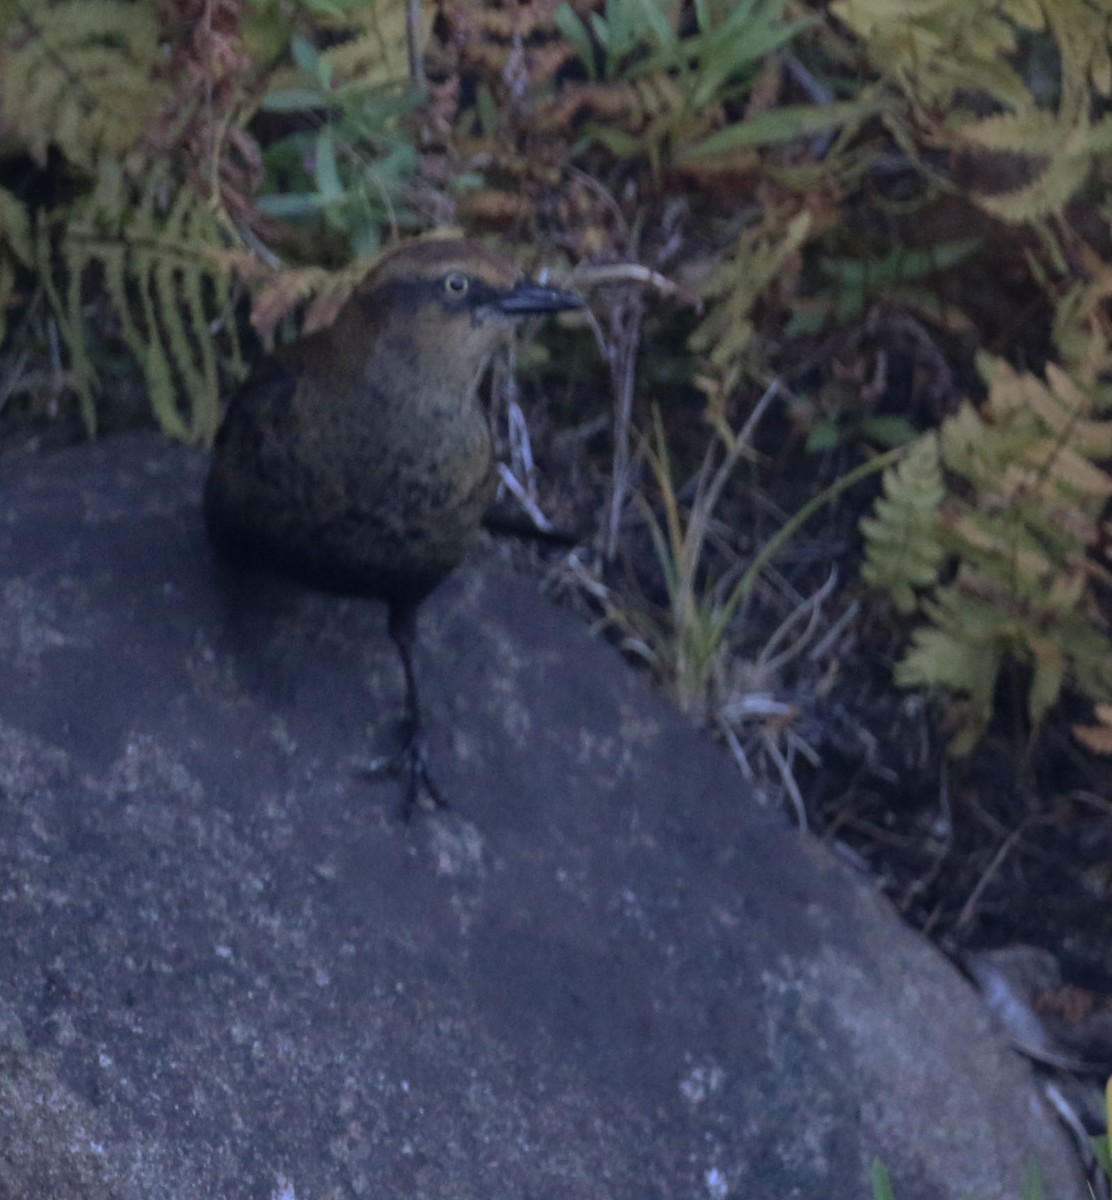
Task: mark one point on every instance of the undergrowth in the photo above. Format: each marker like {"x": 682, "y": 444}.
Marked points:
{"x": 996, "y": 561}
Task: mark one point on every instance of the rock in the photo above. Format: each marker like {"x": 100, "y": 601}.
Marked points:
{"x": 230, "y": 971}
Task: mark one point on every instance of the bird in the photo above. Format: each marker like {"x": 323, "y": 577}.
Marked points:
{"x": 358, "y": 459}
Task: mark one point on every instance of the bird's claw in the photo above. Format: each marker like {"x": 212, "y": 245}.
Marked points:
{"x": 419, "y": 780}
{"x": 411, "y": 762}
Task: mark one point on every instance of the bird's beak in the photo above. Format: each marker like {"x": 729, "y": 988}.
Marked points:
{"x": 529, "y": 297}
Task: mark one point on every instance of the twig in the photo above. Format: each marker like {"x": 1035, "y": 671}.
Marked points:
{"x": 801, "y": 746}
{"x": 413, "y": 44}
{"x": 786, "y": 777}
{"x": 920, "y": 885}
{"x": 814, "y": 603}
{"x": 604, "y": 274}
{"x": 834, "y": 632}
{"x": 1007, "y": 846}
{"x": 791, "y": 527}
{"x": 14, "y": 374}
{"x": 623, "y": 359}
{"x": 521, "y": 445}
{"x": 737, "y": 750}
{"x": 521, "y": 495}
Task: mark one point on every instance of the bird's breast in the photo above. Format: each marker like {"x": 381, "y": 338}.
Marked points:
{"x": 360, "y": 481}
{"x": 416, "y": 477}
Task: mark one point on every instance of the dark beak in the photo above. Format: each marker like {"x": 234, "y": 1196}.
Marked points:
{"x": 529, "y": 297}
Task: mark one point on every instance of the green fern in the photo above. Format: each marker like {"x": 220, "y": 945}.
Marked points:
{"x": 80, "y": 75}
{"x": 86, "y": 77}
{"x": 943, "y": 53}
{"x": 1017, "y": 527}
{"x": 762, "y": 256}
{"x": 157, "y": 261}
{"x": 16, "y": 249}
{"x": 937, "y": 50}
{"x": 902, "y": 551}
{"x": 1063, "y": 151}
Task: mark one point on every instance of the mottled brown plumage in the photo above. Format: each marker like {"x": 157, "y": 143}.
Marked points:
{"x": 358, "y": 459}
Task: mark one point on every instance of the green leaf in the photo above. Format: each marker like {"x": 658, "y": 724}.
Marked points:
{"x": 1103, "y": 1154}
{"x": 731, "y": 52}
{"x": 940, "y": 659}
{"x": 824, "y": 435}
{"x": 291, "y": 204}
{"x": 902, "y": 550}
{"x": 882, "y": 1185}
{"x": 807, "y": 318}
{"x": 15, "y": 228}
{"x": 309, "y": 61}
{"x": 901, "y": 265}
{"x": 889, "y": 430}
{"x": 653, "y": 13}
{"x": 603, "y": 32}
{"x": 570, "y": 25}
{"x": 1032, "y": 1183}
{"x": 619, "y": 143}
{"x": 325, "y": 171}
{"x": 781, "y": 125}
{"x": 336, "y": 9}
{"x": 286, "y": 100}
{"x": 367, "y": 240}
{"x": 487, "y": 109}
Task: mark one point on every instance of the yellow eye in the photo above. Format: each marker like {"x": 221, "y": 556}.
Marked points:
{"x": 456, "y": 283}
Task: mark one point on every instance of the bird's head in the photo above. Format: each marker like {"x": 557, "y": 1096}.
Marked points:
{"x": 453, "y": 298}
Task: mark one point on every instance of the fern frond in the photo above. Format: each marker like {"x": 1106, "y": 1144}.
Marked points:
{"x": 1018, "y": 523}
{"x": 378, "y": 54}
{"x": 15, "y": 229}
{"x": 941, "y": 53}
{"x": 68, "y": 314}
{"x": 902, "y": 550}
{"x": 17, "y": 249}
{"x": 1082, "y": 33}
{"x": 1035, "y": 132}
{"x": 80, "y": 75}
{"x": 1062, "y": 150}
{"x": 1026, "y": 13}
{"x": 165, "y": 283}
{"x": 761, "y": 256}
{"x": 955, "y": 654}
{"x": 936, "y": 49}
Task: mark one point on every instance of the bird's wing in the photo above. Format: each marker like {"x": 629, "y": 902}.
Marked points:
{"x": 253, "y": 479}
{"x": 262, "y": 406}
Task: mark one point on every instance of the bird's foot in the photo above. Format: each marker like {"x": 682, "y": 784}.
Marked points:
{"x": 411, "y": 765}
{"x": 419, "y": 782}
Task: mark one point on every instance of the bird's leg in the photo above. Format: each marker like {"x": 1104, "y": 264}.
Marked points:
{"x": 413, "y": 757}
{"x": 411, "y": 760}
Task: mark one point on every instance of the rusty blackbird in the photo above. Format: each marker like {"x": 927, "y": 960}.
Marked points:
{"x": 358, "y": 459}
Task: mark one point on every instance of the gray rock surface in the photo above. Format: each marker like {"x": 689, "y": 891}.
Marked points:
{"x": 229, "y": 971}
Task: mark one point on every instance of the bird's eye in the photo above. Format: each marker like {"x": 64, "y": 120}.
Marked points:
{"x": 456, "y": 283}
